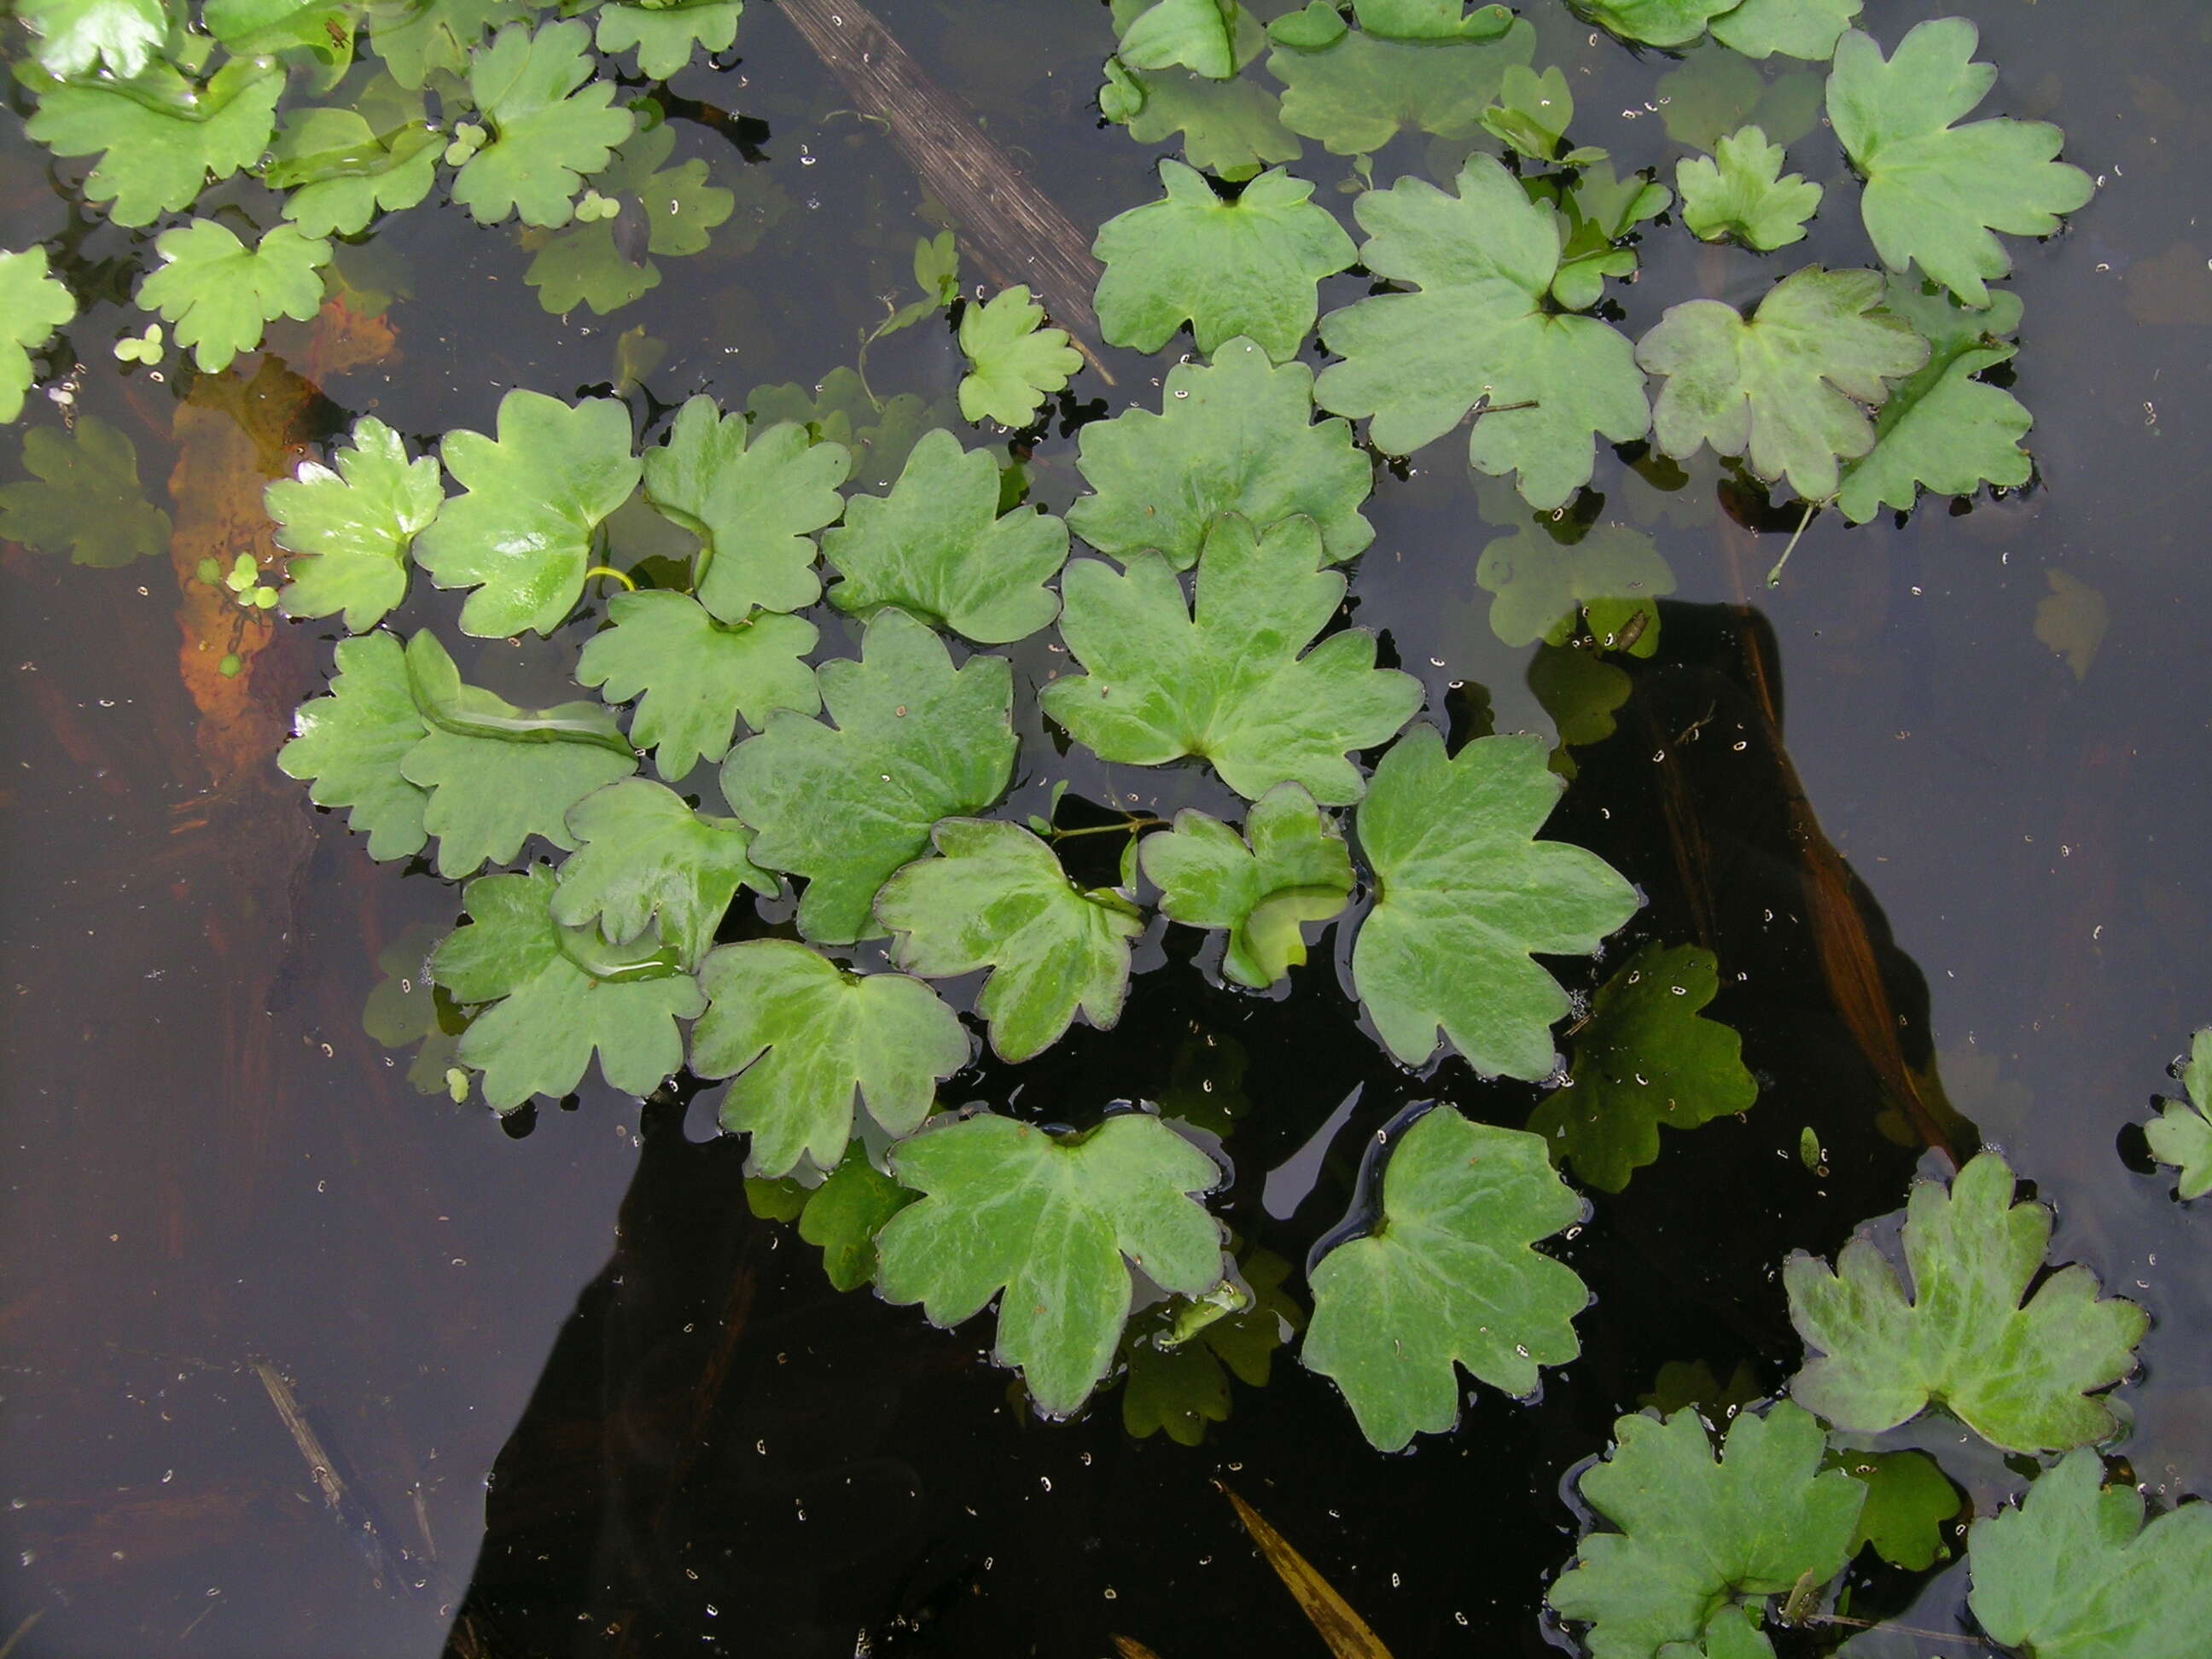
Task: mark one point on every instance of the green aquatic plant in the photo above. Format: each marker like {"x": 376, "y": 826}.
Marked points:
{"x": 83, "y": 497}
{"x": 1289, "y": 867}
{"x": 350, "y": 524}
{"x": 2181, "y": 1134}
{"x": 1741, "y": 193}
{"x": 644, "y": 859}
{"x": 34, "y": 305}
{"x": 1014, "y": 362}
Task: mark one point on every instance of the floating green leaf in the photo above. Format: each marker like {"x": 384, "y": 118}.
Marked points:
{"x": 1942, "y": 429}
{"x": 1739, "y": 192}
{"x": 348, "y": 746}
{"x": 1788, "y": 391}
{"x": 1222, "y": 679}
{"x": 1294, "y": 870}
{"x": 1466, "y": 897}
{"x": 695, "y": 678}
{"x": 2073, "y": 1573}
{"x": 1049, "y": 1222}
{"x": 1012, "y": 363}
{"x": 1796, "y": 29}
{"x": 425, "y": 36}
{"x": 74, "y": 37}
{"x": 1655, "y": 22}
{"x": 915, "y": 740}
{"x": 997, "y": 898}
{"x": 32, "y": 305}
{"x": 1198, "y": 35}
{"x": 1935, "y": 193}
{"x": 2019, "y": 1378}
{"x": 1478, "y": 337}
{"x": 2182, "y": 1135}
{"x": 162, "y": 136}
{"x": 1908, "y": 1499}
{"x": 498, "y": 774}
{"x": 1704, "y": 1540}
{"x": 594, "y": 264}
{"x": 1431, "y": 19}
{"x": 754, "y": 504}
{"x": 1646, "y": 1056}
{"x": 219, "y": 294}
{"x": 1361, "y": 91}
{"x": 936, "y": 546}
{"x": 644, "y": 859}
{"x": 1247, "y": 267}
{"x": 1234, "y": 437}
{"x": 546, "y": 135}
{"x": 802, "y": 1037}
{"x": 549, "y": 1010}
{"x": 844, "y": 1214}
{"x": 1531, "y": 113}
{"x": 1614, "y": 575}
{"x": 1230, "y": 128}
{"x": 522, "y": 534}
{"x": 338, "y": 173}
{"x": 664, "y": 34}
{"x": 84, "y": 495}
{"x": 1447, "y": 1275}
{"x": 349, "y": 529}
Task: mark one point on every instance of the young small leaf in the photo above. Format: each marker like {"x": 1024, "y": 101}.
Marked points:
{"x": 1198, "y": 35}
{"x": 803, "y": 1039}
{"x": 1448, "y": 1274}
{"x": 1012, "y": 363}
{"x": 997, "y": 898}
{"x": 1294, "y": 870}
{"x": 219, "y": 293}
{"x": 84, "y": 495}
{"x": 32, "y": 305}
{"x": 1739, "y": 192}
{"x": 1222, "y": 679}
{"x": 1467, "y": 898}
{"x": 349, "y": 529}
{"x": 2021, "y": 1377}
{"x": 548, "y": 130}
{"x": 644, "y": 857}
{"x": 2182, "y": 1135}
{"x": 348, "y": 746}
{"x": 1049, "y": 1222}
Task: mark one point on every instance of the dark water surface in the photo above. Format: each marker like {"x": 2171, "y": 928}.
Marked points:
{"x": 578, "y": 1400}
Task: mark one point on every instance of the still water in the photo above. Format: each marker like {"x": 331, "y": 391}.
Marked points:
{"x": 301, "y": 1361}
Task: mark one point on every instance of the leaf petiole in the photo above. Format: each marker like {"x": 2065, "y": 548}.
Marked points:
{"x": 629, "y": 586}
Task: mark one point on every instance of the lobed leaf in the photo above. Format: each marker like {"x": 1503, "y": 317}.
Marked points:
{"x": 219, "y": 294}
{"x": 1290, "y": 867}
{"x": 1362, "y": 91}
{"x": 1795, "y": 28}
{"x": 645, "y": 859}
{"x": 161, "y": 137}
{"x": 32, "y": 305}
{"x": 663, "y": 35}
{"x": 347, "y": 746}
{"x": 548, "y": 130}
{"x": 349, "y": 529}
{"x": 82, "y": 494}
{"x": 1614, "y": 575}
{"x": 2182, "y": 1133}
{"x": 1739, "y": 192}
{"x": 1013, "y": 363}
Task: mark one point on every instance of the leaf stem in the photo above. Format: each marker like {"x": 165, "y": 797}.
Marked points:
{"x": 1135, "y": 824}
{"x": 1902, "y": 1629}
{"x": 608, "y": 570}
{"x": 1774, "y": 576}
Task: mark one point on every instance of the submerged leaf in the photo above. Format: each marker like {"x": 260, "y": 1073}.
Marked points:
{"x": 1013, "y": 363}
{"x": 219, "y": 293}
{"x": 1614, "y": 575}
{"x": 1795, "y": 28}
{"x": 1646, "y": 1057}
{"x": 535, "y": 495}
{"x": 1935, "y": 193}
{"x": 645, "y": 859}
{"x": 349, "y": 742}
{"x": 84, "y": 495}
{"x": 1448, "y": 1274}
{"x": 844, "y": 1214}
{"x": 695, "y": 678}
{"x": 1295, "y": 869}
{"x": 936, "y": 547}
{"x": 1477, "y": 337}
{"x": 915, "y": 740}
{"x": 549, "y": 1010}
{"x": 1222, "y": 679}
{"x": 162, "y": 136}
{"x": 607, "y": 263}
{"x": 1247, "y": 267}
{"x": 1049, "y": 1222}
{"x": 548, "y": 130}
{"x": 349, "y": 529}
{"x": 1908, "y": 1499}
{"x": 2182, "y": 1135}
{"x": 1788, "y": 391}
{"x": 2072, "y": 1572}
{"x": 1236, "y": 436}
{"x": 2021, "y": 1377}
{"x": 997, "y": 898}
{"x": 425, "y": 36}
{"x": 1465, "y": 898}
{"x": 1739, "y": 192}
{"x": 1360, "y": 92}
{"x": 32, "y": 305}
{"x": 1701, "y": 1534}
{"x": 803, "y": 1038}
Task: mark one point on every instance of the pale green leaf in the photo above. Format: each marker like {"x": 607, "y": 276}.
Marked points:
{"x": 1614, "y": 575}
{"x": 2182, "y": 1133}
{"x": 2072, "y": 1572}
{"x": 83, "y": 497}
{"x": 422, "y": 37}
{"x": 1478, "y": 336}
{"x": 644, "y": 859}
{"x": 1646, "y": 1056}
{"x": 535, "y": 495}
{"x": 349, "y": 530}
{"x": 219, "y": 294}
{"x": 1739, "y": 192}
{"x": 803, "y": 1039}
{"x": 1289, "y": 867}
{"x": 1466, "y": 898}
{"x": 1237, "y": 436}
{"x": 1055, "y": 1224}
{"x": 163, "y": 137}
{"x": 1361, "y": 91}
{"x": 1230, "y": 128}
{"x": 1223, "y": 678}
{"x": 1936, "y": 192}
{"x": 1715, "y": 92}
{"x": 1198, "y": 35}
{"x": 753, "y": 500}
{"x": 32, "y": 305}
{"x": 693, "y": 677}
{"x": 337, "y": 174}
{"x": 1531, "y": 112}
{"x": 996, "y": 897}
{"x": 1448, "y": 1276}
{"x": 1655, "y": 22}
{"x": 1698, "y": 1534}
{"x": 2022, "y": 1378}
{"x": 1431, "y": 19}
{"x": 547, "y": 136}
{"x": 585, "y": 265}
{"x": 1248, "y": 267}
{"x": 914, "y": 740}
{"x": 664, "y": 34}
{"x": 348, "y": 746}
{"x": 549, "y": 1009}
{"x": 1790, "y": 390}
{"x": 1795, "y": 28}
{"x": 936, "y": 546}
{"x": 1012, "y": 363}
{"x": 74, "y": 37}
